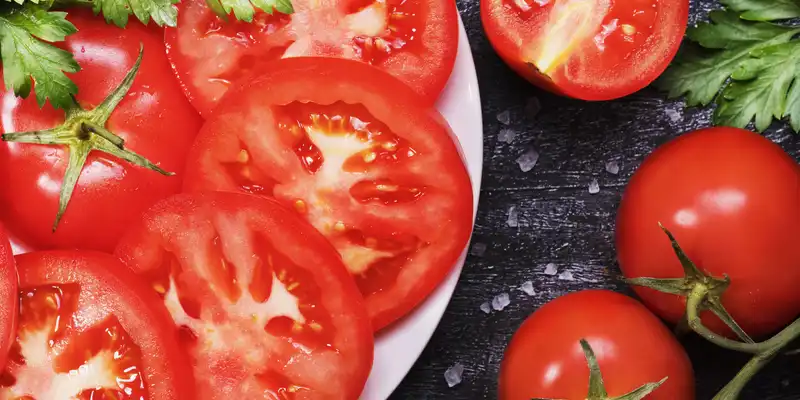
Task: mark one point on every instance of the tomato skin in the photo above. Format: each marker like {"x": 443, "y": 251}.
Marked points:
{"x": 154, "y": 119}
{"x": 442, "y": 218}
{"x": 208, "y": 60}
{"x": 730, "y": 198}
{"x": 512, "y": 36}
{"x": 8, "y": 296}
{"x": 188, "y": 228}
{"x": 632, "y": 346}
{"x": 108, "y": 288}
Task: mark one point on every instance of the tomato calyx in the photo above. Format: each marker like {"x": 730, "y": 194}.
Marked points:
{"x": 597, "y": 387}
{"x": 704, "y": 292}
{"x": 701, "y": 290}
{"x": 84, "y": 131}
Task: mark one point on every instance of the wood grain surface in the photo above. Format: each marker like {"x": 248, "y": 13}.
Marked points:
{"x": 559, "y": 221}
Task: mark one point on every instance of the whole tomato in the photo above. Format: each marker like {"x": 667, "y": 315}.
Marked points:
{"x": 154, "y": 119}
{"x": 730, "y": 198}
{"x": 632, "y": 347}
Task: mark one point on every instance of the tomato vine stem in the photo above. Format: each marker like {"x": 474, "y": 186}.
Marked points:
{"x": 704, "y": 292}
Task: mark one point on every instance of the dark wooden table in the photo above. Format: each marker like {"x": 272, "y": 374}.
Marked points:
{"x": 559, "y": 221}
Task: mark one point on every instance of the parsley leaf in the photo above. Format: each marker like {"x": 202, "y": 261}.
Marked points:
{"x": 28, "y": 58}
{"x": 761, "y": 10}
{"x": 163, "y": 12}
{"x": 245, "y": 10}
{"x": 750, "y": 69}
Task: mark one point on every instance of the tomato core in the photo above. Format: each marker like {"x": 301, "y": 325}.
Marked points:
{"x": 50, "y": 362}
{"x": 330, "y": 140}
{"x": 614, "y": 29}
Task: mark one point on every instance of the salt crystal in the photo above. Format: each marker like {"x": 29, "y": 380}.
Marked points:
{"x": 453, "y": 374}
{"x": 504, "y": 117}
{"x": 612, "y": 167}
{"x": 513, "y": 217}
{"x": 501, "y": 301}
{"x": 674, "y": 115}
{"x": 478, "y": 249}
{"x": 594, "y": 187}
{"x": 527, "y": 288}
{"x": 528, "y": 160}
{"x": 533, "y": 107}
{"x": 550, "y": 269}
{"x": 566, "y": 276}
{"x": 486, "y": 307}
{"x": 506, "y": 136}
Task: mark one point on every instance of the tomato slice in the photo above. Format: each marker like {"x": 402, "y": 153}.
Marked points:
{"x": 587, "y": 49}
{"x": 264, "y": 304}
{"x": 357, "y": 153}
{"x": 414, "y": 40}
{"x": 90, "y": 329}
{"x": 9, "y": 306}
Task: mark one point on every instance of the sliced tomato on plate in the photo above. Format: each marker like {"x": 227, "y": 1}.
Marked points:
{"x": 587, "y": 49}
{"x": 90, "y": 329}
{"x": 414, "y": 40}
{"x": 9, "y": 306}
{"x": 360, "y": 156}
{"x": 264, "y": 304}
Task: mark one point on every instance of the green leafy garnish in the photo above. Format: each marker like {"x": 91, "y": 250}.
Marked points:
{"x": 163, "y": 12}
{"x": 245, "y": 10}
{"x": 26, "y": 34}
{"x": 749, "y": 67}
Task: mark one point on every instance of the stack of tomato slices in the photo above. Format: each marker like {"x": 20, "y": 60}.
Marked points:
{"x": 321, "y": 200}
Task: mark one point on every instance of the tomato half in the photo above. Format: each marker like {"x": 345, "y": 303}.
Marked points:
{"x": 414, "y": 40}
{"x": 154, "y": 119}
{"x": 90, "y": 329}
{"x": 357, "y": 153}
{"x": 9, "y": 306}
{"x": 632, "y": 346}
{"x": 730, "y": 197}
{"x": 587, "y": 49}
{"x": 264, "y": 304}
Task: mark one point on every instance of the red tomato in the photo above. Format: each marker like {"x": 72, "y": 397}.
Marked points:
{"x": 9, "y": 306}
{"x": 414, "y": 40}
{"x": 265, "y": 306}
{"x": 545, "y": 359}
{"x": 587, "y": 49}
{"x": 358, "y": 154}
{"x": 155, "y": 120}
{"x": 730, "y": 197}
{"x": 90, "y": 329}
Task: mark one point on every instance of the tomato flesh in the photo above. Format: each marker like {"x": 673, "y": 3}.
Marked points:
{"x": 592, "y": 50}
{"x": 74, "y": 342}
{"x": 154, "y": 119}
{"x": 351, "y": 150}
{"x": 263, "y": 303}
{"x": 105, "y": 347}
{"x": 632, "y": 346}
{"x": 730, "y": 197}
{"x": 8, "y": 296}
{"x": 411, "y": 39}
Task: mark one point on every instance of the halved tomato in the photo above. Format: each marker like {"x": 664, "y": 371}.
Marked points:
{"x": 359, "y": 155}
{"x": 587, "y": 49}
{"x": 9, "y": 306}
{"x": 264, "y": 304}
{"x": 90, "y": 329}
{"x": 414, "y": 40}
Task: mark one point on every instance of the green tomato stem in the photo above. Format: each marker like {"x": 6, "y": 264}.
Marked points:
{"x": 84, "y": 131}
{"x": 597, "y": 387}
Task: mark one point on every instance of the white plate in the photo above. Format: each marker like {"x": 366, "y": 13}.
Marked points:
{"x": 398, "y": 348}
